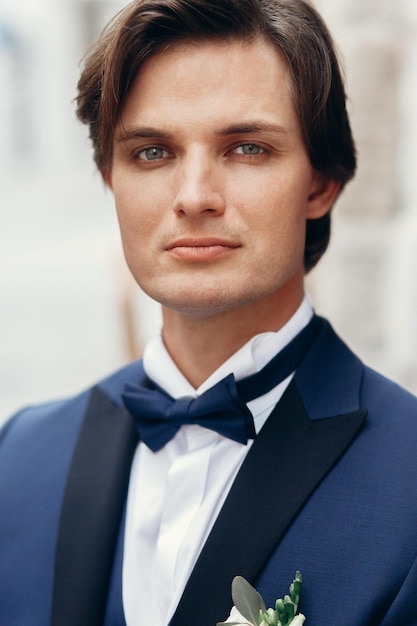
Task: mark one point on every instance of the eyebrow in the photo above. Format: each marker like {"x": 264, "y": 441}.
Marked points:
{"x": 255, "y": 126}
{"x": 140, "y": 132}
{"x": 240, "y": 128}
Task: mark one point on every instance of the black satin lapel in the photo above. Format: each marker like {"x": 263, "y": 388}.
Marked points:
{"x": 288, "y": 459}
{"x": 93, "y": 502}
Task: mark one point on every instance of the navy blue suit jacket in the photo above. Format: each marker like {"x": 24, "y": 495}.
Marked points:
{"x": 329, "y": 487}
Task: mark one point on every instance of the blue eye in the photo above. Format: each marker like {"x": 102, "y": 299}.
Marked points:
{"x": 249, "y": 149}
{"x": 152, "y": 154}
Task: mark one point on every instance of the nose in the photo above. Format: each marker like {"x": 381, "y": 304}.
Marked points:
{"x": 199, "y": 187}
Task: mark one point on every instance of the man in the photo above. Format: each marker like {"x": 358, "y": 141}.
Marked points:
{"x": 220, "y": 126}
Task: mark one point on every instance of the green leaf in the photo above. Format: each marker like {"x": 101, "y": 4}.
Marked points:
{"x": 295, "y": 589}
{"x": 271, "y": 618}
{"x": 289, "y": 607}
{"x": 247, "y": 600}
{"x": 280, "y": 609}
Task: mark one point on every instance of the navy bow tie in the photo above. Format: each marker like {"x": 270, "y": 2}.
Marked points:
{"x": 221, "y": 408}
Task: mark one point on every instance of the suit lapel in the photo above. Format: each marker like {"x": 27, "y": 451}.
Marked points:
{"x": 92, "y": 507}
{"x": 288, "y": 459}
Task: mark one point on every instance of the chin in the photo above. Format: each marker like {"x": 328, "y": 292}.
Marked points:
{"x": 205, "y": 305}
{"x": 208, "y": 298}
{"x": 198, "y": 309}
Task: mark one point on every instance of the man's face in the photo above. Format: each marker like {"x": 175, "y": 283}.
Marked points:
{"x": 212, "y": 181}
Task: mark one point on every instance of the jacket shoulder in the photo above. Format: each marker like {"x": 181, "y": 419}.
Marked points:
{"x": 382, "y": 395}
{"x": 63, "y": 415}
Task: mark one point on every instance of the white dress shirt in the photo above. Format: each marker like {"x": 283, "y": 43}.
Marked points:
{"x": 176, "y": 493}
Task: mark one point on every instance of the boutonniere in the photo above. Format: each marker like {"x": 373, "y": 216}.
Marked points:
{"x": 250, "y": 610}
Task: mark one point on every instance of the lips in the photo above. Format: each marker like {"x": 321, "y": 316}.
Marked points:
{"x": 201, "y": 249}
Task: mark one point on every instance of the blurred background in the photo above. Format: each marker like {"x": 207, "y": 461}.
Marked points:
{"x": 69, "y": 311}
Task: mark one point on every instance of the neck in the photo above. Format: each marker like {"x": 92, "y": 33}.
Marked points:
{"x": 199, "y": 346}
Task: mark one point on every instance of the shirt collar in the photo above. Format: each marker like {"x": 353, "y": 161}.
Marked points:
{"x": 250, "y": 358}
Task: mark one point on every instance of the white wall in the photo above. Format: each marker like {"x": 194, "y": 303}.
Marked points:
{"x": 62, "y": 279}
{"x": 367, "y": 283}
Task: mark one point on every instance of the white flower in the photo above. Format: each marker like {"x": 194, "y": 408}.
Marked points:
{"x": 237, "y": 618}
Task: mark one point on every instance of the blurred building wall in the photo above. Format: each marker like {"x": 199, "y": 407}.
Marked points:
{"x": 367, "y": 283}
{"x": 63, "y": 286}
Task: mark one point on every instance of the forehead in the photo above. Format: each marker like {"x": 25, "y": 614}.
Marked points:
{"x": 212, "y": 80}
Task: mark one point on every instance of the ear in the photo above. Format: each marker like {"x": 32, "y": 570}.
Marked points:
{"x": 107, "y": 177}
{"x": 323, "y": 194}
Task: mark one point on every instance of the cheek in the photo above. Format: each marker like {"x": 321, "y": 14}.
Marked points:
{"x": 133, "y": 230}
{"x": 137, "y": 212}
{"x": 278, "y": 211}
{"x": 277, "y": 231}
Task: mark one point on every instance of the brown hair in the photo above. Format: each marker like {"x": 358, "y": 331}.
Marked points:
{"x": 294, "y": 26}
